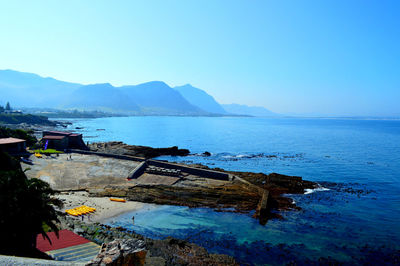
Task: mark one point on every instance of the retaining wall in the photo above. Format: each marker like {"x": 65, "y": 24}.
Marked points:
{"x": 191, "y": 170}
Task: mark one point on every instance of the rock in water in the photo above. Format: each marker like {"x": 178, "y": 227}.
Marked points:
{"x": 206, "y": 154}
{"x": 121, "y": 252}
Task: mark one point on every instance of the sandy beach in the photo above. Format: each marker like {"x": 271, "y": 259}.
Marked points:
{"x": 105, "y": 208}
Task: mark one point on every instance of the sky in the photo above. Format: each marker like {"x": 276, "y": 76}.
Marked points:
{"x": 331, "y": 57}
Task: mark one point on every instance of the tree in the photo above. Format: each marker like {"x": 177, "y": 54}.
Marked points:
{"x": 1, "y": 109}
{"x": 8, "y": 107}
{"x": 19, "y": 134}
{"x": 26, "y": 205}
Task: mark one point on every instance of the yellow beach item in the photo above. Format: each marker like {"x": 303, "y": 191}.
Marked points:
{"x": 38, "y": 155}
{"x": 81, "y": 210}
{"x": 118, "y": 200}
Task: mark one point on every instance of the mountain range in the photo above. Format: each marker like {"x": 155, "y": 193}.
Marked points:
{"x": 151, "y": 98}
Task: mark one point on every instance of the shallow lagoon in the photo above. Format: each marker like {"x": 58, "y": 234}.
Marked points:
{"x": 358, "y": 216}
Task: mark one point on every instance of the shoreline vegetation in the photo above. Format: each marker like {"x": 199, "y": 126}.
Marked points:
{"x": 16, "y": 119}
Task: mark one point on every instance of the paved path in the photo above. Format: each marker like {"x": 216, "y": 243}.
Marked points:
{"x": 68, "y": 247}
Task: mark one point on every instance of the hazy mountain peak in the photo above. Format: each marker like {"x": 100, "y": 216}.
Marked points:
{"x": 32, "y": 90}
{"x": 200, "y": 98}
{"x": 157, "y": 97}
{"x": 100, "y": 97}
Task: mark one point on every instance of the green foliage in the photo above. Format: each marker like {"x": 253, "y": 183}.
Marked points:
{"x": 26, "y": 205}
{"x": 8, "y": 107}
{"x": 48, "y": 151}
{"x": 24, "y": 118}
{"x": 1, "y": 109}
{"x": 19, "y": 134}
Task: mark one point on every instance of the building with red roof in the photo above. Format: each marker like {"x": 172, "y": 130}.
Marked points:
{"x": 13, "y": 146}
{"x": 62, "y": 140}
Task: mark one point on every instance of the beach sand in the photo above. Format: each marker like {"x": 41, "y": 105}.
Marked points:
{"x": 105, "y": 208}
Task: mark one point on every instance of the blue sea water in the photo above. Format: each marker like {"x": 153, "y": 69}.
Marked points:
{"x": 356, "y": 220}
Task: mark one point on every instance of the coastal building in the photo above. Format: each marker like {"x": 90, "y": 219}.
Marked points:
{"x": 56, "y": 142}
{"x": 61, "y": 140}
{"x": 13, "y": 146}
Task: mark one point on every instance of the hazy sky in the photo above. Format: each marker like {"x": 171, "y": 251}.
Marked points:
{"x": 327, "y": 57}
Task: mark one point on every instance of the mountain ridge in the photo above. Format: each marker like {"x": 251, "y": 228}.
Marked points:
{"x": 151, "y": 98}
{"x": 200, "y": 98}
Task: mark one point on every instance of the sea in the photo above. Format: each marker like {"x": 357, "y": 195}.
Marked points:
{"x": 354, "y": 218}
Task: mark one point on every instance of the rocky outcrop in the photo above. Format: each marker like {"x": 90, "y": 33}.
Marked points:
{"x": 121, "y": 252}
{"x": 237, "y": 196}
{"x": 120, "y": 148}
{"x": 247, "y": 192}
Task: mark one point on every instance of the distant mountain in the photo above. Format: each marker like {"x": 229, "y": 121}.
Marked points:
{"x": 156, "y": 97}
{"x": 151, "y": 98}
{"x": 100, "y": 97}
{"x": 31, "y": 90}
{"x": 239, "y": 109}
{"x": 200, "y": 99}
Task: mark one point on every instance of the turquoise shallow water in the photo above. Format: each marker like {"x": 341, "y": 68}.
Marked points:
{"x": 358, "y": 160}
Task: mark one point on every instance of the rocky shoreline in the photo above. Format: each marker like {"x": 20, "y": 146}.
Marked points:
{"x": 170, "y": 251}
{"x": 246, "y": 191}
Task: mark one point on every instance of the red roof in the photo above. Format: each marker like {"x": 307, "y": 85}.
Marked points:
{"x": 10, "y": 141}
{"x": 53, "y": 137}
{"x": 75, "y": 135}
{"x": 66, "y": 239}
{"x": 59, "y": 132}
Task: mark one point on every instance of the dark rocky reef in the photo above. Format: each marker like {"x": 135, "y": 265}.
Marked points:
{"x": 120, "y": 148}
{"x": 236, "y": 195}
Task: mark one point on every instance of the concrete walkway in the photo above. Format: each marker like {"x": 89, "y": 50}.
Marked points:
{"x": 21, "y": 261}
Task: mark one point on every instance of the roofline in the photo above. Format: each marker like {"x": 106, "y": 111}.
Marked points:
{"x": 4, "y": 141}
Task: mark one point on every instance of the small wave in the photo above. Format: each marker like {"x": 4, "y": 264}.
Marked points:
{"x": 312, "y": 190}
{"x": 245, "y": 156}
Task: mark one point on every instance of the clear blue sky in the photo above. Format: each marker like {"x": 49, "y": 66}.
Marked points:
{"x": 326, "y": 57}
